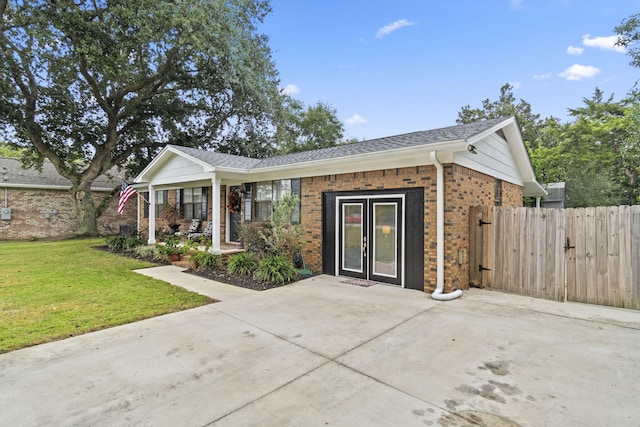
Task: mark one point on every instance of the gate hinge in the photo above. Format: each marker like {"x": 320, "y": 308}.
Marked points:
{"x": 568, "y": 245}
{"x": 481, "y": 223}
{"x": 481, "y": 268}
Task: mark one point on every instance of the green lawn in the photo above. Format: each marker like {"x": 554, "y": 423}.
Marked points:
{"x": 54, "y": 290}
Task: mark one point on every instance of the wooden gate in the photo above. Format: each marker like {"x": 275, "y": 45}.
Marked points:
{"x": 589, "y": 255}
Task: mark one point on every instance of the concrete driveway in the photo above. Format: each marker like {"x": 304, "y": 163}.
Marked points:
{"x": 326, "y": 353}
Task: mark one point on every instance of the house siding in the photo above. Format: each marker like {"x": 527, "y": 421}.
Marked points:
{"x": 30, "y": 206}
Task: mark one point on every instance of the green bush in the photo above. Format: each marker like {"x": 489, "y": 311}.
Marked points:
{"x": 244, "y": 263}
{"x": 254, "y": 237}
{"x": 120, "y": 242}
{"x": 205, "y": 259}
{"x": 276, "y": 269}
{"x": 147, "y": 252}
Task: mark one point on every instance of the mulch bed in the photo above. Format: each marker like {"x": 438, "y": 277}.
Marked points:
{"x": 236, "y": 280}
{"x": 210, "y": 273}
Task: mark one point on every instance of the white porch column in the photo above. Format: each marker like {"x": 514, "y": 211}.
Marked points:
{"x": 152, "y": 215}
{"x": 215, "y": 215}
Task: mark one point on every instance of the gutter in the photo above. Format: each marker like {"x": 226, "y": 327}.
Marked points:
{"x": 439, "y": 294}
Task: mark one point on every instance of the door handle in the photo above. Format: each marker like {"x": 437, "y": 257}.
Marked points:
{"x": 364, "y": 247}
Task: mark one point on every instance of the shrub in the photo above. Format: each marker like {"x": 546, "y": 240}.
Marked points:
{"x": 280, "y": 236}
{"x": 120, "y": 242}
{"x": 254, "y": 238}
{"x": 147, "y": 252}
{"x": 286, "y": 238}
{"x": 276, "y": 269}
{"x": 205, "y": 259}
{"x": 170, "y": 246}
{"x": 244, "y": 264}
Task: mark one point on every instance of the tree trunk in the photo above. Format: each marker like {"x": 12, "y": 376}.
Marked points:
{"x": 86, "y": 210}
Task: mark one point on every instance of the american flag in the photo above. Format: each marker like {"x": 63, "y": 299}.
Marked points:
{"x": 125, "y": 194}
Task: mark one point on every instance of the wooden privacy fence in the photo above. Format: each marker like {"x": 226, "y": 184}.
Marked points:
{"x": 589, "y": 255}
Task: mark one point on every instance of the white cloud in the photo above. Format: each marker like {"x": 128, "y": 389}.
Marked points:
{"x": 290, "y": 89}
{"x": 516, "y": 3}
{"x": 579, "y": 72}
{"x": 356, "y": 119}
{"x": 516, "y": 85}
{"x": 543, "y": 76}
{"x": 606, "y": 43}
{"x": 388, "y": 29}
{"x": 573, "y": 50}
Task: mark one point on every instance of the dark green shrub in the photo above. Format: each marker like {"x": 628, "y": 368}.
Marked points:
{"x": 205, "y": 259}
{"x": 120, "y": 242}
{"x": 244, "y": 263}
{"x": 171, "y": 246}
{"x": 254, "y": 238}
{"x": 276, "y": 269}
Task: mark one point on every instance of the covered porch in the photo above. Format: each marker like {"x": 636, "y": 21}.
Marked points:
{"x": 200, "y": 191}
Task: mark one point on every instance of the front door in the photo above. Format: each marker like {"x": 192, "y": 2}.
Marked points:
{"x": 370, "y": 238}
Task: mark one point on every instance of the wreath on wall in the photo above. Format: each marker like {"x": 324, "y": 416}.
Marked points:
{"x": 234, "y": 202}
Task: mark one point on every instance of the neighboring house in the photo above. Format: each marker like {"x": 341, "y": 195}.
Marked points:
{"x": 391, "y": 210}
{"x": 39, "y": 205}
{"x": 556, "y": 195}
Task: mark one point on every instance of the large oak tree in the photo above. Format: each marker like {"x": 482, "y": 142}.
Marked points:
{"x": 93, "y": 84}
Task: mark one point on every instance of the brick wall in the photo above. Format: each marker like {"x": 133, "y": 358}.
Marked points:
{"x": 31, "y": 207}
{"x": 463, "y": 188}
{"x": 412, "y": 177}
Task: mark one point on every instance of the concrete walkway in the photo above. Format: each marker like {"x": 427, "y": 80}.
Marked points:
{"x": 216, "y": 290}
{"x": 322, "y": 352}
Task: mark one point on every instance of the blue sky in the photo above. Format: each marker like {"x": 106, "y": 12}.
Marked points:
{"x": 391, "y": 67}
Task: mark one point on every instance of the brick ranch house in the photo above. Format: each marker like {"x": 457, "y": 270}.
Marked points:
{"x": 392, "y": 210}
{"x": 39, "y": 205}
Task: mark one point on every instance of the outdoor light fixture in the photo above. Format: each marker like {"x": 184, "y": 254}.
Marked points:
{"x": 471, "y": 149}
{"x": 5, "y": 174}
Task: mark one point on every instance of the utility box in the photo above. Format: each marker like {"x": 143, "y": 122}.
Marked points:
{"x": 5, "y": 214}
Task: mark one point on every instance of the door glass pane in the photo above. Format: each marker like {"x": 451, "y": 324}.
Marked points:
{"x": 352, "y": 237}
{"x": 385, "y": 239}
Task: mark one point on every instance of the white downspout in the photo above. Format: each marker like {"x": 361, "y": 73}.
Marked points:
{"x": 438, "y": 293}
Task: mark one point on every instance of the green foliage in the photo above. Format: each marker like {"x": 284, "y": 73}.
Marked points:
{"x": 9, "y": 151}
{"x": 629, "y": 36}
{"x": 243, "y": 263}
{"x": 205, "y": 259}
{"x": 286, "y": 238}
{"x": 93, "y": 85}
{"x": 276, "y": 269}
{"x": 147, "y": 252}
{"x": 597, "y": 153}
{"x": 506, "y": 105}
{"x": 119, "y": 242}
{"x": 171, "y": 246}
{"x": 302, "y": 130}
{"x": 254, "y": 237}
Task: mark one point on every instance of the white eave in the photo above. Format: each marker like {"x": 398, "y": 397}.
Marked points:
{"x": 410, "y": 156}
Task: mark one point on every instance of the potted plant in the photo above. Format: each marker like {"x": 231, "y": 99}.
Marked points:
{"x": 171, "y": 248}
{"x": 171, "y": 215}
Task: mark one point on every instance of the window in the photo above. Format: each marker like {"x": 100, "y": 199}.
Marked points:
{"x": 161, "y": 202}
{"x": 194, "y": 203}
{"x": 268, "y": 192}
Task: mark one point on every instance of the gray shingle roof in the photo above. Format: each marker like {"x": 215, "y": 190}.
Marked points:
{"x": 219, "y": 159}
{"x": 414, "y": 139}
{"x": 48, "y": 178}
